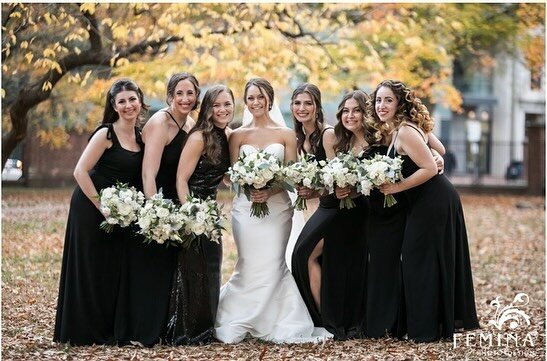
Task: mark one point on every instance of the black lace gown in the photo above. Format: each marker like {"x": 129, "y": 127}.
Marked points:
{"x": 384, "y": 307}
{"x": 149, "y": 268}
{"x": 437, "y": 279}
{"x": 196, "y": 283}
{"x": 88, "y": 306}
{"x": 314, "y": 231}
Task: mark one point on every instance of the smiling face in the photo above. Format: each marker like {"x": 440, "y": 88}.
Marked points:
{"x": 127, "y": 104}
{"x": 223, "y": 109}
{"x": 352, "y": 116}
{"x": 385, "y": 104}
{"x": 257, "y": 102}
{"x": 184, "y": 97}
{"x": 303, "y": 108}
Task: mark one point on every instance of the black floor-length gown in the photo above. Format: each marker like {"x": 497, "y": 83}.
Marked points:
{"x": 196, "y": 283}
{"x": 148, "y": 273}
{"x": 438, "y": 285}
{"x": 88, "y": 300}
{"x": 384, "y": 303}
{"x": 314, "y": 231}
{"x": 343, "y": 272}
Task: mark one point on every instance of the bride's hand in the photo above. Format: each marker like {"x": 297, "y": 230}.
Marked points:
{"x": 260, "y": 195}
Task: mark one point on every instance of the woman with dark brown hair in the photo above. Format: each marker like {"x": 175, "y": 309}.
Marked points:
{"x": 436, "y": 271}
{"x": 313, "y": 137}
{"x": 342, "y": 295}
{"x": 88, "y": 308}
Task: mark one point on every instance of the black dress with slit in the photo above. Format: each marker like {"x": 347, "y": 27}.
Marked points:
{"x": 437, "y": 279}
{"x": 149, "y": 269}
{"x": 88, "y": 304}
{"x": 313, "y": 232}
{"x": 196, "y": 282}
{"x": 385, "y": 314}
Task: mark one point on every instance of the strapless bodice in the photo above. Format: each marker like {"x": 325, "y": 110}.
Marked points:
{"x": 276, "y": 149}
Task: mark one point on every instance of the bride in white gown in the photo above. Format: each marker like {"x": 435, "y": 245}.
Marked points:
{"x": 261, "y": 298}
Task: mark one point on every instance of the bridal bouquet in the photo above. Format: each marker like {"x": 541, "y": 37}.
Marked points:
{"x": 160, "y": 220}
{"x": 119, "y": 204}
{"x": 258, "y": 170}
{"x": 381, "y": 170}
{"x": 341, "y": 171}
{"x": 202, "y": 218}
{"x": 307, "y": 173}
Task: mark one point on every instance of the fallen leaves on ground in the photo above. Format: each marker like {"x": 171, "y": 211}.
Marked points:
{"x": 506, "y": 239}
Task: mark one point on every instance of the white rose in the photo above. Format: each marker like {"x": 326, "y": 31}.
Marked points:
{"x": 106, "y": 193}
{"x": 198, "y": 228}
{"x": 307, "y": 182}
{"x": 124, "y": 209}
{"x": 162, "y": 212}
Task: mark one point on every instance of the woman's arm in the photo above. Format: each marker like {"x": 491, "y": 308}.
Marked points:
{"x": 154, "y": 136}
{"x": 435, "y": 143}
{"x": 234, "y": 142}
{"x": 289, "y": 138}
{"x": 410, "y": 142}
{"x": 91, "y": 155}
{"x": 188, "y": 161}
{"x": 329, "y": 140}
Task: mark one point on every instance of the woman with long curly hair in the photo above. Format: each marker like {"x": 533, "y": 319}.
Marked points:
{"x": 436, "y": 271}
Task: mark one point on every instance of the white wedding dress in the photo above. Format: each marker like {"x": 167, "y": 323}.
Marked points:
{"x": 261, "y": 298}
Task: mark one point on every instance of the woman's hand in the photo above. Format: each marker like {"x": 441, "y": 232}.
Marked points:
{"x": 306, "y": 193}
{"x": 342, "y": 193}
{"x": 260, "y": 195}
{"x": 390, "y": 188}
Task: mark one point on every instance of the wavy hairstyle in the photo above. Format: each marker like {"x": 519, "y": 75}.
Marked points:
{"x": 263, "y": 86}
{"x": 409, "y": 109}
{"x": 343, "y": 136}
{"x": 315, "y": 136}
{"x": 172, "y": 85}
{"x": 110, "y": 115}
{"x": 206, "y": 124}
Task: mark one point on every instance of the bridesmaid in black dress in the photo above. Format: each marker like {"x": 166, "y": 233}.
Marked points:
{"x": 344, "y": 250}
{"x": 438, "y": 286}
{"x": 150, "y": 268}
{"x": 203, "y": 163}
{"x": 91, "y": 269}
{"x": 313, "y": 137}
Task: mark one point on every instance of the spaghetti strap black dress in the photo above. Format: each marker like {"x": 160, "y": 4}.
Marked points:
{"x": 314, "y": 231}
{"x": 196, "y": 282}
{"x": 438, "y": 285}
{"x": 88, "y": 303}
{"x": 385, "y": 311}
{"x": 149, "y": 268}
{"x": 343, "y": 272}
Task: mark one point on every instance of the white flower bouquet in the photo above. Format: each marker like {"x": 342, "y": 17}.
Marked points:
{"x": 202, "y": 218}
{"x": 380, "y": 170}
{"x": 341, "y": 171}
{"x": 120, "y": 205}
{"x": 306, "y": 173}
{"x": 258, "y": 170}
{"x": 160, "y": 221}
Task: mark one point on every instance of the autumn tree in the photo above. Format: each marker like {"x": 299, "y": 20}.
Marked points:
{"x": 58, "y": 58}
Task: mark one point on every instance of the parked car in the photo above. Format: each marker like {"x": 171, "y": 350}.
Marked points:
{"x": 13, "y": 170}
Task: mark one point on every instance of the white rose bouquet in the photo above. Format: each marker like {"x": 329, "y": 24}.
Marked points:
{"x": 306, "y": 173}
{"x": 202, "y": 218}
{"x": 380, "y": 170}
{"x": 258, "y": 170}
{"x": 120, "y": 205}
{"x": 159, "y": 220}
{"x": 341, "y": 171}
